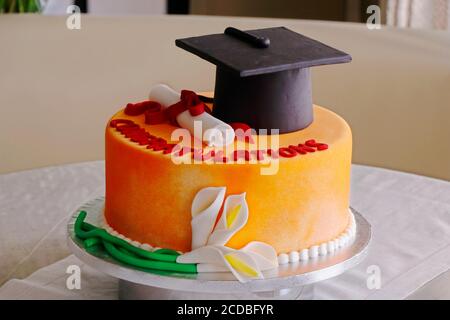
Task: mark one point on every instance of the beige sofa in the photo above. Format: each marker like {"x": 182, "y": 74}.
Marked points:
{"x": 58, "y": 86}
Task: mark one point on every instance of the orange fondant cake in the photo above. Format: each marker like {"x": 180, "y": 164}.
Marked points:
{"x": 251, "y": 177}
{"x": 305, "y": 203}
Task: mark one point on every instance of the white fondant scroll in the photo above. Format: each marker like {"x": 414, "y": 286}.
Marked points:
{"x": 164, "y": 94}
{"x": 215, "y": 132}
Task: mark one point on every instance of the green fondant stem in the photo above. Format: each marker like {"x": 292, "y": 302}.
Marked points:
{"x": 95, "y": 249}
{"x": 125, "y": 251}
{"x": 87, "y": 226}
{"x": 161, "y": 259}
{"x": 104, "y": 235}
{"x": 90, "y": 242}
{"x": 167, "y": 251}
{"x": 148, "y": 264}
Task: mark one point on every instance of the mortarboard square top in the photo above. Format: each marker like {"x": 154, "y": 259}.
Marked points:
{"x": 287, "y": 50}
{"x": 263, "y": 76}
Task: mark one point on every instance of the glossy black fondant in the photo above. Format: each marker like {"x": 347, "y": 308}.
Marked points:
{"x": 288, "y": 50}
{"x": 266, "y": 88}
{"x": 269, "y": 101}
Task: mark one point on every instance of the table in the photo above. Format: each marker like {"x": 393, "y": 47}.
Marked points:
{"x": 409, "y": 214}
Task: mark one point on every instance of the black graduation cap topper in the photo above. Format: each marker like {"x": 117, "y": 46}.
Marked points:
{"x": 263, "y": 76}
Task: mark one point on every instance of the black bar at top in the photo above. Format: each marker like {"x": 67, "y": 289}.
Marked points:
{"x": 178, "y": 6}
{"x": 82, "y": 4}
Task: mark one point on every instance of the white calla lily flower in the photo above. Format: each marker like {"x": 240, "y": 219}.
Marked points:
{"x": 204, "y": 210}
{"x": 208, "y": 241}
{"x": 264, "y": 255}
{"x": 234, "y": 217}
{"x": 221, "y": 258}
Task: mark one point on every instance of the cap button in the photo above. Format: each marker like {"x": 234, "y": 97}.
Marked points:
{"x": 259, "y": 42}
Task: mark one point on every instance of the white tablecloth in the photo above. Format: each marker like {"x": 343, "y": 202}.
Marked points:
{"x": 410, "y": 216}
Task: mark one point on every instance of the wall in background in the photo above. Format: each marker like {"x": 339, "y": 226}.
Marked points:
{"x": 430, "y": 14}
{"x": 128, "y": 7}
{"x": 337, "y": 10}
{"x": 110, "y": 7}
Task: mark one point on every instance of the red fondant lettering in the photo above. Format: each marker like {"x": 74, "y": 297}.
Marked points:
{"x": 298, "y": 149}
{"x": 322, "y": 146}
{"x": 287, "y": 152}
{"x": 259, "y": 154}
{"x": 306, "y": 148}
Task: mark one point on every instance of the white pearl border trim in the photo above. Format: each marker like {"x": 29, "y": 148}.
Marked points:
{"x": 144, "y": 246}
{"x": 323, "y": 249}
{"x": 326, "y": 248}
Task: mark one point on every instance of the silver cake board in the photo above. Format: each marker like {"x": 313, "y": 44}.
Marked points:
{"x": 290, "y": 281}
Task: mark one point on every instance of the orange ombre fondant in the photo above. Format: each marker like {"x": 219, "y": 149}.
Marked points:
{"x": 148, "y": 197}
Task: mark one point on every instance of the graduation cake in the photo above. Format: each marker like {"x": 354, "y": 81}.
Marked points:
{"x": 240, "y": 180}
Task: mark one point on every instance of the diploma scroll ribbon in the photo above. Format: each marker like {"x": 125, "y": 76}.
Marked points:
{"x": 216, "y": 133}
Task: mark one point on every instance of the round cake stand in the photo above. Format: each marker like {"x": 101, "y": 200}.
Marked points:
{"x": 290, "y": 281}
